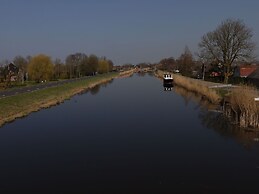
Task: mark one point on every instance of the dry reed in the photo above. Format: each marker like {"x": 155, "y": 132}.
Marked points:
{"x": 245, "y": 108}
{"x": 197, "y": 87}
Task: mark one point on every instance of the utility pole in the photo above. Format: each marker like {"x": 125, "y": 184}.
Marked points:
{"x": 203, "y": 70}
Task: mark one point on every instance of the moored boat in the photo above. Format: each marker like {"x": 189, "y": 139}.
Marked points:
{"x": 168, "y": 78}
{"x": 168, "y": 82}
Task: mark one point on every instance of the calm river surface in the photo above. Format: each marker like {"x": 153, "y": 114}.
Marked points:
{"x": 128, "y": 136}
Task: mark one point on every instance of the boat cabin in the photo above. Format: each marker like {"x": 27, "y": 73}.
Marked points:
{"x": 168, "y": 78}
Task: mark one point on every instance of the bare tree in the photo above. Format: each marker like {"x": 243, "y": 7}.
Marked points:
{"x": 73, "y": 62}
{"x": 185, "y": 62}
{"x": 167, "y": 64}
{"x": 230, "y": 42}
{"x": 57, "y": 68}
{"x": 22, "y": 64}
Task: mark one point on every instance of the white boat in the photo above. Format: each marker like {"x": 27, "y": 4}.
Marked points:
{"x": 168, "y": 78}
{"x": 168, "y": 82}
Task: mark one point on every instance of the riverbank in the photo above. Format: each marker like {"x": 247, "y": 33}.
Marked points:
{"x": 238, "y": 102}
{"x": 241, "y": 106}
{"x": 23, "y": 104}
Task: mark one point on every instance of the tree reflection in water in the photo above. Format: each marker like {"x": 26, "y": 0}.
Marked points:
{"x": 212, "y": 118}
{"x": 107, "y": 83}
{"x": 95, "y": 90}
{"x": 141, "y": 73}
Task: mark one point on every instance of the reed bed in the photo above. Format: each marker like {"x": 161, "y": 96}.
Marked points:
{"x": 245, "y": 109}
{"x": 188, "y": 95}
{"x": 197, "y": 87}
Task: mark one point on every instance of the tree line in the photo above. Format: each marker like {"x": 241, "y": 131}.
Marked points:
{"x": 40, "y": 67}
{"x": 185, "y": 64}
{"x": 220, "y": 51}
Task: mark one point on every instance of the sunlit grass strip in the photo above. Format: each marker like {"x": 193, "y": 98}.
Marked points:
{"x": 127, "y": 73}
{"x": 21, "y": 105}
{"x": 195, "y": 86}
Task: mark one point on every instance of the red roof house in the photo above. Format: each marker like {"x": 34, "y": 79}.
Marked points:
{"x": 246, "y": 70}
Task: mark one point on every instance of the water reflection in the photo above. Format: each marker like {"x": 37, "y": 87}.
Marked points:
{"x": 168, "y": 86}
{"x": 95, "y": 90}
{"x": 198, "y": 99}
{"x": 141, "y": 73}
{"x": 212, "y": 117}
{"x": 218, "y": 122}
{"x": 107, "y": 83}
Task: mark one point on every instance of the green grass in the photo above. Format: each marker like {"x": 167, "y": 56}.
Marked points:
{"x": 22, "y": 104}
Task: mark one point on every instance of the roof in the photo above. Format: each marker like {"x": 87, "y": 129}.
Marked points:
{"x": 246, "y": 70}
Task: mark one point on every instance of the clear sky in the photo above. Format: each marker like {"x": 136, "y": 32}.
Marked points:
{"x": 125, "y": 31}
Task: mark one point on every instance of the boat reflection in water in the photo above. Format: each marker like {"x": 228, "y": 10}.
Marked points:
{"x": 168, "y": 82}
{"x": 168, "y": 86}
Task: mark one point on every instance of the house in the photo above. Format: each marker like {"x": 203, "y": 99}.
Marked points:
{"x": 253, "y": 78}
{"x": 12, "y": 72}
{"x": 246, "y": 70}
{"x": 247, "y": 73}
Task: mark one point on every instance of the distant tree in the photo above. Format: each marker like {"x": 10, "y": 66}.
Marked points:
{"x": 40, "y": 68}
{"x": 92, "y": 63}
{"x": 1, "y": 73}
{"x": 167, "y": 64}
{"x": 229, "y": 43}
{"x": 3, "y": 69}
{"x": 28, "y": 58}
{"x": 70, "y": 66}
{"x": 74, "y": 64}
{"x": 59, "y": 69}
{"x": 126, "y": 66}
{"x": 143, "y": 65}
{"x": 185, "y": 62}
{"x": 103, "y": 66}
{"x": 22, "y": 64}
{"x": 84, "y": 66}
{"x": 110, "y": 65}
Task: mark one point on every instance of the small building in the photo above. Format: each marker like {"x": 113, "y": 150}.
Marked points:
{"x": 12, "y": 68}
{"x": 253, "y": 78}
{"x": 246, "y": 70}
{"x": 12, "y": 72}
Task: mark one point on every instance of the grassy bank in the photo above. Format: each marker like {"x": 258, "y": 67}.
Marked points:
{"x": 21, "y": 105}
{"x": 127, "y": 73}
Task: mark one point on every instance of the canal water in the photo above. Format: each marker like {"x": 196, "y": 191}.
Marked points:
{"x": 128, "y": 136}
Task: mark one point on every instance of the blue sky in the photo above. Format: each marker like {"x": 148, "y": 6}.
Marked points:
{"x": 125, "y": 31}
